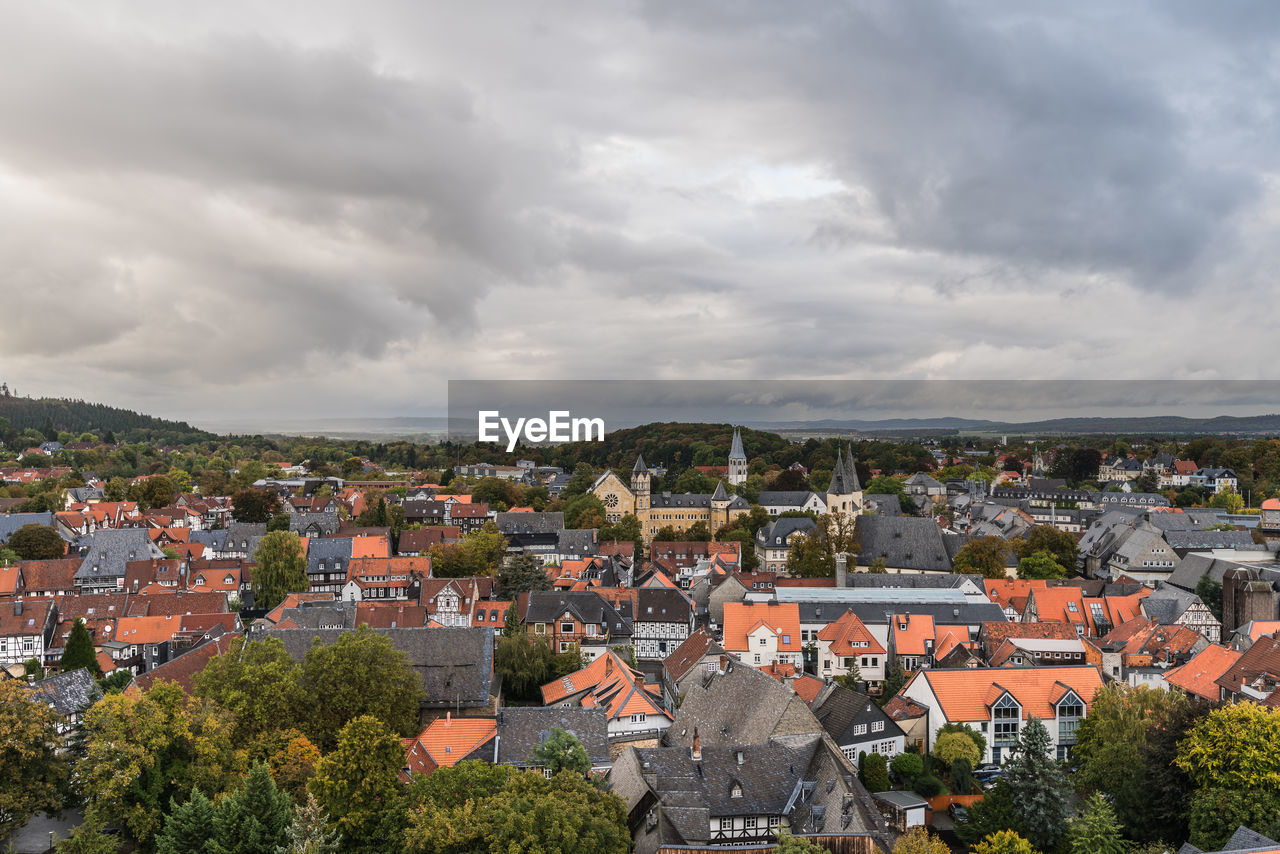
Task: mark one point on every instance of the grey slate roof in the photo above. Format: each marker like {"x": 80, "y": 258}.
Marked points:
{"x": 111, "y": 549}
{"x": 1142, "y": 499}
{"x": 85, "y": 493}
{"x": 908, "y": 581}
{"x": 68, "y": 693}
{"x": 884, "y": 505}
{"x": 839, "y": 710}
{"x": 662, "y": 605}
{"x": 545, "y": 606}
{"x": 578, "y": 542}
{"x": 242, "y": 535}
{"x": 720, "y": 494}
{"x": 639, "y": 466}
{"x": 455, "y": 664}
{"x": 1195, "y": 566}
{"x": 328, "y": 554}
{"x": 1208, "y": 539}
{"x": 325, "y": 523}
{"x": 783, "y": 498}
{"x": 716, "y": 707}
{"x": 529, "y": 523}
{"x": 873, "y": 613}
{"x": 10, "y": 522}
{"x": 522, "y": 728}
{"x": 694, "y": 499}
{"x": 213, "y": 540}
{"x": 839, "y": 477}
{"x": 905, "y": 542}
{"x": 767, "y": 777}
{"x": 769, "y": 535}
{"x": 736, "y": 452}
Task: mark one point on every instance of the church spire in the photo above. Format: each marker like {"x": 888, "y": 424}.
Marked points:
{"x": 851, "y": 476}
{"x": 736, "y": 452}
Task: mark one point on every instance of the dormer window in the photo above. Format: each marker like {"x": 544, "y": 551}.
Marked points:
{"x": 735, "y": 791}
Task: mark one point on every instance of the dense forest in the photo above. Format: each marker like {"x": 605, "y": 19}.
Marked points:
{"x": 51, "y": 415}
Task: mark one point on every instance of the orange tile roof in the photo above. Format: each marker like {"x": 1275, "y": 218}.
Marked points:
{"x": 370, "y": 546}
{"x": 1199, "y": 675}
{"x": 1003, "y": 590}
{"x": 910, "y": 631}
{"x": 847, "y": 630}
{"x": 448, "y": 740}
{"x": 1259, "y": 628}
{"x": 292, "y": 600}
{"x": 966, "y": 694}
{"x": 142, "y": 630}
{"x": 1055, "y": 605}
{"x": 743, "y": 618}
{"x": 610, "y": 684}
{"x": 8, "y": 580}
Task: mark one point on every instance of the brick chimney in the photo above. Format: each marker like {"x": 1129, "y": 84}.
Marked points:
{"x": 695, "y": 752}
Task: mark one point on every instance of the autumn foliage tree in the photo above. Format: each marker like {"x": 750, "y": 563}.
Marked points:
{"x": 33, "y": 770}
{"x": 281, "y": 570}
{"x": 358, "y": 786}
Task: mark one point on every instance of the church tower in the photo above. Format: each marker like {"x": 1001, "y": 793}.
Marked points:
{"x": 719, "y": 515}
{"x": 640, "y": 485}
{"x": 844, "y": 495}
{"x": 737, "y": 460}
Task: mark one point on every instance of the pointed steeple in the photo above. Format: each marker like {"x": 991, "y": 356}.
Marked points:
{"x": 639, "y": 466}
{"x": 736, "y": 452}
{"x": 851, "y": 477}
{"x": 838, "y": 475}
{"x": 720, "y": 494}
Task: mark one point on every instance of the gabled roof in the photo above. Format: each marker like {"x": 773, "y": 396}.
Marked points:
{"x": 910, "y": 632}
{"x": 449, "y": 740}
{"x": 845, "y": 631}
{"x": 743, "y": 618}
{"x": 966, "y": 694}
{"x": 1259, "y": 663}
{"x": 1199, "y": 675}
{"x": 523, "y": 728}
{"x": 692, "y": 650}
{"x": 610, "y": 684}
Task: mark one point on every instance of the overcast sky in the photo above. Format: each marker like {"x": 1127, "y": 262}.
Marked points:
{"x": 223, "y": 210}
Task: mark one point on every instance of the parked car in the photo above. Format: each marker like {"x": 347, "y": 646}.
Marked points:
{"x": 987, "y": 773}
{"x": 958, "y": 813}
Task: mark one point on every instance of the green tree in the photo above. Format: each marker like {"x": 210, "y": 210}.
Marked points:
{"x": 521, "y": 574}
{"x": 278, "y": 522}
{"x": 885, "y": 485}
{"x": 1216, "y": 813}
{"x": 894, "y": 679}
{"x": 524, "y": 663}
{"x": 79, "y": 651}
{"x": 788, "y": 844}
{"x": 918, "y": 840}
{"x": 259, "y": 682}
{"x": 978, "y": 738}
{"x": 89, "y": 838}
{"x": 360, "y": 674}
{"x": 1096, "y": 830}
{"x": 254, "y": 505}
{"x": 984, "y": 556}
{"x": 358, "y": 786}
{"x": 37, "y": 542}
{"x": 808, "y": 557}
{"x": 1041, "y": 565}
{"x": 155, "y": 491}
{"x": 478, "y": 553}
{"x": 34, "y": 770}
{"x": 962, "y": 776}
{"x": 952, "y": 746}
{"x": 1111, "y": 747}
{"x": 1234, "y": 748}
{"x": 996, "y": 812}
{"x": 1038, "y": 786}
{"x": 1003, "y": 842}
{"x": 907, "y": 766}
{"x": 566, "y": 814}
{"x": 290, "y": 756}
{"x": 874, "y": 773}
{"x": 143, "y": 753}
{"x": 561, "y": 751}
{"x": 309, "y": 832}
{"x": 281, "y": 570}
{"x": 1228, "y": 499}
{"x": 1210, "y": 593}
{"x": 188, "y": 828}
{"x": 254, "y": 819}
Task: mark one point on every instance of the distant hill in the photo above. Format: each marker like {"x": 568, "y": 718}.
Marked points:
{"x": 673, "y": 444}
{"x": 78, "y": 416}
{"x": 1174, "y": 425}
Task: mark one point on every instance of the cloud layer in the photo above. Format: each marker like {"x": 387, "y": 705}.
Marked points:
{"x": 229, "y": 211}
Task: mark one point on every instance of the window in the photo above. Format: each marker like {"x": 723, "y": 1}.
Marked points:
{"x": 750, "y": 822}
{"x": 859, "y": 729}
{"x": 566, "y": 628}
{"x": 757, "y": 658}
{"x": 1007, "y": 716}
{"x": 763, "y": 642}
{"x": 877, "y": 726}
{"x": 638, "y": 719}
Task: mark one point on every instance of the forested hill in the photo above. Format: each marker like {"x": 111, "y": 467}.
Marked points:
{"x": 78, "y": 416}
{"x": 671, "y": 444}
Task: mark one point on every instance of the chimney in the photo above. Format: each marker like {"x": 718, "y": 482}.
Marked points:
{"x": 448, "y": 718}
{"x": 17, "y": 608}
{"x": 608, "y": 664}
{"x": 842, "y": 569}
{"x": 695, "y": 752}
{"x": 738, "y": 752}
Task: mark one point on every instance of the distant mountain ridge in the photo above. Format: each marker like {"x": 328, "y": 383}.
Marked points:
{"x": 1171, "y": 424}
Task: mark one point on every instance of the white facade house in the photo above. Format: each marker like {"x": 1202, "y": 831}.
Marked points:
{"x": 997, "y": 702}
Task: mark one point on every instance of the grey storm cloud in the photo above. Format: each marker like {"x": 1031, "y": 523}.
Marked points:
{"x": 304, "y": 206}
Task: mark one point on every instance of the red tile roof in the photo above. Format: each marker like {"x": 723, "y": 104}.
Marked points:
{"x": 743, "y": 618}
{"x": 1199, "y": 675}
{"x": 966, "y": 694}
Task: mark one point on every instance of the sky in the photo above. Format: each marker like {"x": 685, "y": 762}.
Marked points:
{"x": 231, "y": 211}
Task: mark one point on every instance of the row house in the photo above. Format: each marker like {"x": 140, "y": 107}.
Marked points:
{"x": 468, "y": 517}
{"x": 1198, "y": 677}
{"x": 1215, "y": 480}
{"x": 632, "y": 707}
{"x": 663, "y": 620}
{"x": 998, "y": 702}
{"x": 846, "y": 646}
{"x": 774, "y": 541}
{"x": 574, "y": 618}
{"x": 1255, "y": 675}
{"x": 763, "y": 633}
{"x": 857, "y": 723}
{"x": 391, "y": 578}
{"x": 1140, "y": 651}
{"x": 1179, "y": 475}
{"x": 1090, "y": 616}
{"x": 26, "y": 630}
